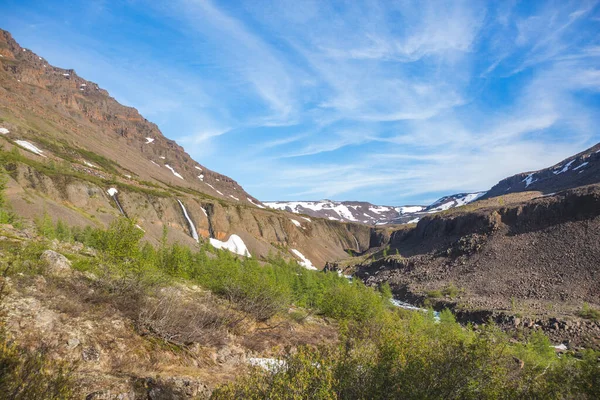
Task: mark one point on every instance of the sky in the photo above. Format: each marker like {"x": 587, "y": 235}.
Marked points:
{"x": 392, "y": 102}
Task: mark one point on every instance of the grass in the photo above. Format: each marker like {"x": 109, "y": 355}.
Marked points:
{"x": 589, "y": 313}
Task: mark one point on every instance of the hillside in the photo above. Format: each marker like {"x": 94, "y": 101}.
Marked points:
{"x": 578, "y": 170}
{"x": 528, "y": 264}
{"x": 77, "y": 154}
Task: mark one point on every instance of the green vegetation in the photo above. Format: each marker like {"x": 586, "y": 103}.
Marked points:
{"x": 6, "y": 216}
{"x": 415, "y": 358}
{"x": 31, "y": 374}
{"x": 63, "y": 172}
{"x": 450, "y": 291}
{"x": 589, "y": 313}
{"x": 27, "y": 375}
{"x": 383, "y": 352}
{"x": 260, "y": 290}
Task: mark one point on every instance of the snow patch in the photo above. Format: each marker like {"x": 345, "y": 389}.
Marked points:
{"x": 233, "y": 197}
{"x": 4, "y": 131}
{"x": 308, "y": 219}
{"x": 213, "y": 188}
{"x": 298, "y": 206}
{"x": 149, "y": 140}
{"x": 201, "y": 177}
{"x": 305, "y": 261}
{"x": 268, "y": 364}
{"x": 173, "y": 171}
{"x": 529, "y": 180}
{"x": 204, "y": 211}
{"x": 112, "y": 191}
{"x": 30, "y": 147}
{"x": 235, "y": 244}
{"x": 580, "y": 166}
{"x": 162, "y": 158}
{"x": 256, "y": 204}
{"x": 297, "y": 223}
{"x": 414, "y": 221}
{"x": 564, "y": 169}
{"x": 89, "y": 164}
{"x": 409, "y": 209}
{"x": 154, "y": 163}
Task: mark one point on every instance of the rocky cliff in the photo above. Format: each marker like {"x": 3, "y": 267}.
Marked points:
{"x": 69, "y": 147}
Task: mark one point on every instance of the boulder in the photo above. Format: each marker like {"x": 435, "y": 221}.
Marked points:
{"x": 56, "y": 263}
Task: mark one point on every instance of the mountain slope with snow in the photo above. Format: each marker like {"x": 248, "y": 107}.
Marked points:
{"x": 578, "y": 170}
{"x": 367, "y": 213}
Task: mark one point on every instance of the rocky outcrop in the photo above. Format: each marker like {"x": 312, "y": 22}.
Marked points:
{"x": 56, "y": 264}
{"x": 539, "y": 259}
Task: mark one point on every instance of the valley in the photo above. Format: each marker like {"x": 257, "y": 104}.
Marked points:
{"x": 144, "y": 274}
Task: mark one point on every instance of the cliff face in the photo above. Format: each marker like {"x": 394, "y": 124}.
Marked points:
{"x": 75, "y": 142}
{"x": 534, "y": 261}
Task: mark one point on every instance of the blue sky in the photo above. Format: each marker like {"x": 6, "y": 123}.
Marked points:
{"x": 393, "y": 102}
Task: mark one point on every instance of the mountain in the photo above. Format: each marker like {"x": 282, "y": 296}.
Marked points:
{"x": 348, "y": 211}
{"x": 75, "y": 153}
{"x": 578, "y": 170}
{"x": 367, "y": 213}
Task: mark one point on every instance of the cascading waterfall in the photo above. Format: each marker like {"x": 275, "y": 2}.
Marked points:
{"x": 112, "y": 192}
{"x": 189, "y": 221}
{"x": 357, "y": 245}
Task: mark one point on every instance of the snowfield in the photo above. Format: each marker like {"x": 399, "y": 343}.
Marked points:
{"x": 296, "y": 207}
{"x": 409, "y": 209}
{"x": 28, "y": 146}
{"x": 235, "y": 244}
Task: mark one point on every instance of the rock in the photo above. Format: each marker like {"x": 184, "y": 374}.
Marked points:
{"x": 90, "y": 354}
{"x": 72, "y": 343}
{"x": 56, "y": 263}
{"x": 176, "y": 388}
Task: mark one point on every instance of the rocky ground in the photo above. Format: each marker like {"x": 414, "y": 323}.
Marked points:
{"x": 534, "y": 265}
{"x": 126, "y": 346}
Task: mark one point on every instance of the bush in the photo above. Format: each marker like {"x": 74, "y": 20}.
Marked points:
{"x": 184, "y": 321}
{"x": 30, "y": 375}
{"x": 589, "y": 313}
{"x": 418, "y": 358}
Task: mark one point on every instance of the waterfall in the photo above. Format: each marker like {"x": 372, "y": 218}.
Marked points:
{"x": 357, "y": 245}
{"x": 189, "y": 221}
{"x": 112, "y": 192}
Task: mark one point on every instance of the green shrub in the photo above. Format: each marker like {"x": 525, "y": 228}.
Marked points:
{"x": 589, "y": 313}
{"x": 31, "y": 375}
{"x": 417, "y": 358}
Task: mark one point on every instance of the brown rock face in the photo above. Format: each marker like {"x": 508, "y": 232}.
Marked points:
{"x": 91, "y": 143}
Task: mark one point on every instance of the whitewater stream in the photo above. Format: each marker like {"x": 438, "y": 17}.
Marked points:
{"x": 189, "y": 221}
